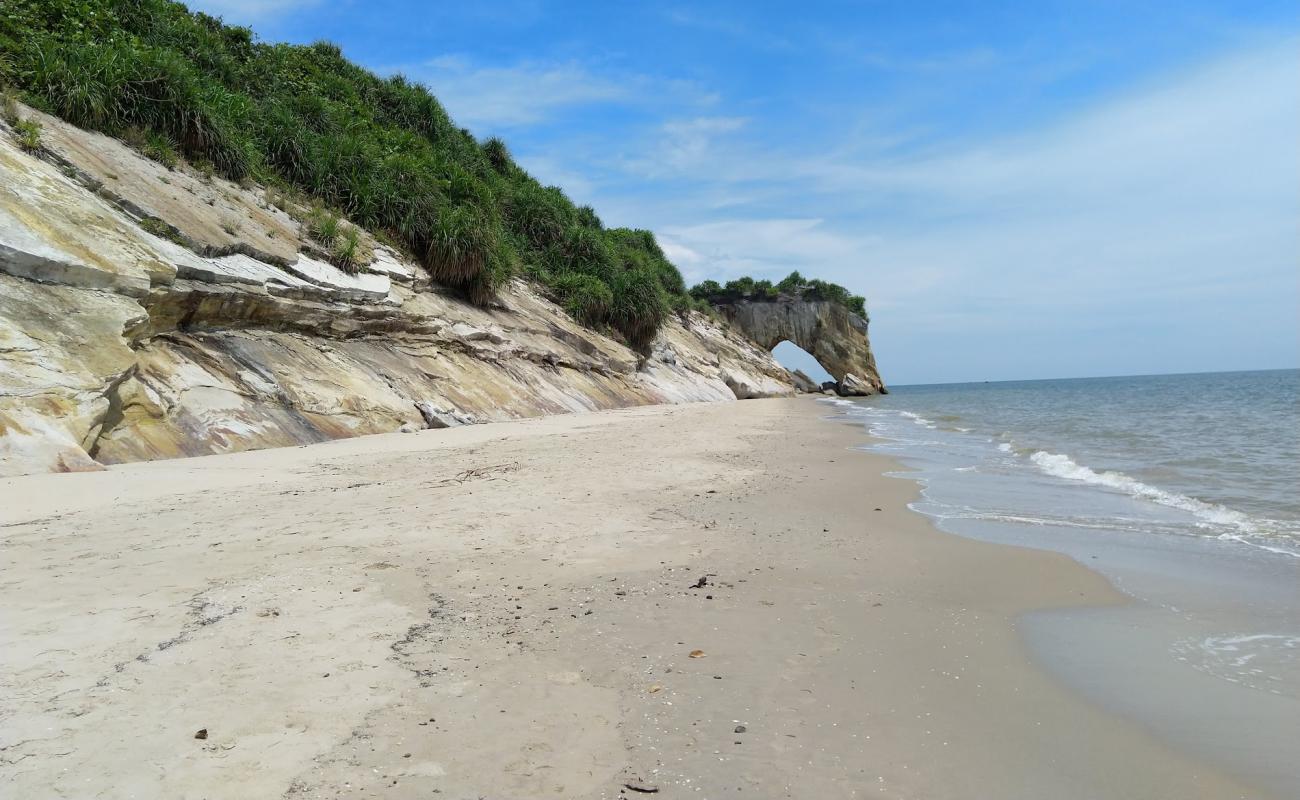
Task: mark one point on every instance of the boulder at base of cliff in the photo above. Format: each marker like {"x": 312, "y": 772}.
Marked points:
{"x": 803, "y": 383}
{"x": 853, "y": 386}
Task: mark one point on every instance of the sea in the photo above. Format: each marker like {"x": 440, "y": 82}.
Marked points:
{"x": 1183, "y": 490}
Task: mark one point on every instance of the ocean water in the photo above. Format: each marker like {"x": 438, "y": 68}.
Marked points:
{"x": 1210, "y": 455}
{"x": 1184, "y": 491}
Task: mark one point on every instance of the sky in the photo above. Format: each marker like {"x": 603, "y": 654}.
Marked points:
{"x": 1020, "y": 190}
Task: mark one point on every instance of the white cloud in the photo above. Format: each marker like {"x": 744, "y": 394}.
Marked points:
{"x": 681, "y": 146}
{"x": 518, "y": 95}
{"x": 533, "y": 91}
{"x": 757, "y": 247}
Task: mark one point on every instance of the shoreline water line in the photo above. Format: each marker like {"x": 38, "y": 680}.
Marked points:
{"x": 1206, "y": 654}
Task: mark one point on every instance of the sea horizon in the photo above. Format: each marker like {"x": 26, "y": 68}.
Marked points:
{"x": 893, "y": 386}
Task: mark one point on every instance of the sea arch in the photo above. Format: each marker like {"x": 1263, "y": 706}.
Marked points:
{"x": 831, "y": 333}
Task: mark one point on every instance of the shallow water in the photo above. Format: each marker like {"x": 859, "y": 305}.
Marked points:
{"x": 1182, "y": 490}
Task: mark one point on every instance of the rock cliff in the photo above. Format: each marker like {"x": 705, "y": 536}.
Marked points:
{"x": 148, "y": 312}
{"x": 831, "y": 333}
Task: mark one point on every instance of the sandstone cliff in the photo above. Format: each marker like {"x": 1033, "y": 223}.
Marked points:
{"x": 150, "y": 313}
{"x": 831, "y": 333}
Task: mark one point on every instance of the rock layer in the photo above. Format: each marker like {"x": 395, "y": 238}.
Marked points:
{"x": 828, "y": 331}
{"x": 117, "y": 344}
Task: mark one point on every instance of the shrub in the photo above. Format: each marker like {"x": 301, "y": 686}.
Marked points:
{"x": 542, "y": 215}
{"x": 160, "y": 148}
{"x": 323, "y": 226}
{"x": 794, "y": 283}
{"x": 348, "y": 253}
{"x": 588, "y": 219}
{"x": 28, "y": 132}
{"x": 483, "y": 287}
{"x": 706, "y": 290}
{"x": 276, "y": 197}
{"x": 585, "y": 250}
{"x": 9, "y": 106}
{"x": 639, "y": 307}
{"x": 498, "y": 155}
{"x": 160, "y": 229}
{"x": 459, "y": 247}
{"x": 85, "y": 83}
{"x": 587, "y": 298}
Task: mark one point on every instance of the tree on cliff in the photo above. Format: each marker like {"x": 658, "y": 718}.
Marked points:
{"x": 793, "y": 285}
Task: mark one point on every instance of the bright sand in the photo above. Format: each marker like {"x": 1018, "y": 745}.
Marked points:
{"x": 506, "y": 611}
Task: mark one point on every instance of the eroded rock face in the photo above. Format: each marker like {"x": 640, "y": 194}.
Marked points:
{"x": 853, "y": 386}
{"x": 831, "y": 333}
{"x": 804, "y": 383}
{"x": 118, "y": 345}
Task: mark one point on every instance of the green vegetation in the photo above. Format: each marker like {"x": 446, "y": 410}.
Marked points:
{"x": 160, "y": 229}
{"x": 29, "y": 134}
{"x": 347, "y": 251}
{"x": 794, "y": 284}
{"x": 323, "y": 225}
{"x": 382, "y": 151}
{"x": 8, "y": 105}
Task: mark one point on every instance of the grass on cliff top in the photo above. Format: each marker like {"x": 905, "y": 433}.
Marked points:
{"x": 381, "y": 150}
{"x": 793, "y": 284}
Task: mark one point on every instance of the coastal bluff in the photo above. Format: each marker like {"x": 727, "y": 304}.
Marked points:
{"x": 151, "y": 312}
{"x": 831, "y": 333}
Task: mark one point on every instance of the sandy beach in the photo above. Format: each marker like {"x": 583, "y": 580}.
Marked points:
{"x": 706, "y": 601}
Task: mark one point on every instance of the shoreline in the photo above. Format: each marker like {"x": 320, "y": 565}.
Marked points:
{"x": 1201, "y": 654}
{"x": 508, "y": 610}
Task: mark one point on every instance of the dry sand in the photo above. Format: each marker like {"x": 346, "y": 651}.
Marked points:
{"x": 507, "y": 611}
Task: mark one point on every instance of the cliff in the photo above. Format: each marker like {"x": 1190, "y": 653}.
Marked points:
{"x": 831, "y": 333}
{"x": 148, "y": 312}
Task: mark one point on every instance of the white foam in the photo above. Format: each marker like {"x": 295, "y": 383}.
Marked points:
{"x": 1211, "y": 515}
{"x": 835, "y": 401}
{"x": 1005, "y": 447}
{"x": 918, "y": 419}
{"x": 1265, "y": 661}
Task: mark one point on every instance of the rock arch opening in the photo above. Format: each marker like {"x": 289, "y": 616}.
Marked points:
{"x": 801, "y": 364}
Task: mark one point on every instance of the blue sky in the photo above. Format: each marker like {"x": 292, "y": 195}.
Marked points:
{"x": 1020, "y": 190}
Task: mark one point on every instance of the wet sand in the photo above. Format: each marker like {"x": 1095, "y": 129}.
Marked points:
{"x": 709, "y": 600}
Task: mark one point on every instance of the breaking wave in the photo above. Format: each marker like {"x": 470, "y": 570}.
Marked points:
{"x": 1240, "y": 527}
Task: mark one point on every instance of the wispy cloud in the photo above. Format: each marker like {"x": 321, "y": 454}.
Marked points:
{"x": 522, "y": 94}
{"x": 681, "y": 146}
{"x": 759, "y": 247}
{"x": 531, "y": 92}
